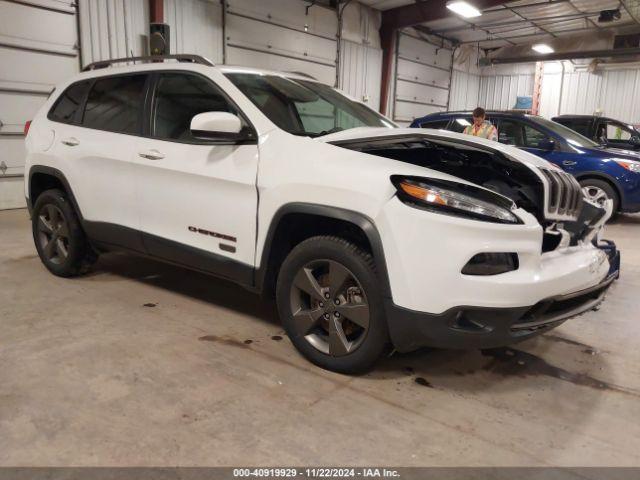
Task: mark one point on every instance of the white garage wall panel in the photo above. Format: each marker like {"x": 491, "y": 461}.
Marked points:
{"x": 113, "y": 29}
{"x": 423, "y": 75}
{"x": 360, "y": 54}
{"x": 499, "y": 92}
{"x": 34, "y": 60}
{"x": 465, "y": 80}
{"x": 360, "y": 67}
{"x": 195, "y": 26}
{"x": 279, "y": 35}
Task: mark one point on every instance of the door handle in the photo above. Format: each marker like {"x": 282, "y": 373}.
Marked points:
{"x": 151, "y": 155}
{"x": 71, "y": 141}
{"x": 568, "y": 163}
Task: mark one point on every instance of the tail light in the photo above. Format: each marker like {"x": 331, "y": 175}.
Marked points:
{"x": 27, "y": 125}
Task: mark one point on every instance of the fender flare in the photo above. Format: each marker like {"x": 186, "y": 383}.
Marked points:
{"x": 358, "y": 219}
{"x": 54, "y": 172}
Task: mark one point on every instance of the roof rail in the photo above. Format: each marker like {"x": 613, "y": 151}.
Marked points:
{"x": 151, "y": 58}
{"x": 302, "y": 74}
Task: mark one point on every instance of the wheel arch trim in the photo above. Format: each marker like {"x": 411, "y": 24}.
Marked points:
{"x": 53, "y": 172}
{"x": 358, "y": 219}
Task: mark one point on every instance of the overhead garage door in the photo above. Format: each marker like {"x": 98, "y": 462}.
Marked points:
{"x": 282, "y": 35}
{"x": 423, "y": 75}
{"x": 38, "y": 48}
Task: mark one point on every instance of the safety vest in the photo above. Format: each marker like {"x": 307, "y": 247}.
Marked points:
{"x": 486, "y": 130}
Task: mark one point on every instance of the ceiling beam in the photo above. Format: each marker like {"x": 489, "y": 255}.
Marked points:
{"x": 618, "y": 52}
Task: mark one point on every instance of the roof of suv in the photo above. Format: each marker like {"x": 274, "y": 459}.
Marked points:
{"x": 488, "y": 112}
{"x": 124, "y": 65}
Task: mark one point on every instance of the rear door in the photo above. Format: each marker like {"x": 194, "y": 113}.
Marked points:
{"x": 197, "y": 199}
{"x": 96, "y": 149}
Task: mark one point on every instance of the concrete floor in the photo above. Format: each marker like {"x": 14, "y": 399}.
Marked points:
{"x": 140, "y": 363}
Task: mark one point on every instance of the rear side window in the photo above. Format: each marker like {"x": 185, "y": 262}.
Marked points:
{"x": 68, "y": 104}
{"x": 436, "y": 124}
{"x": 580, "y": 125}
{"x": 115, "y": 104}
{"x": 180, "y": 97}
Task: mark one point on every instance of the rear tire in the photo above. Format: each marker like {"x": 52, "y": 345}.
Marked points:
{"x": 599, "y": 190}
{"x": 330, "y": 304}
{"x": 58, "y": 237}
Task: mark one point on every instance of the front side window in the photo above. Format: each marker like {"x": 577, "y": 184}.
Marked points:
{"x": 179, "y": 97}
{"x": 303, "y": 107}
{"x": 69, "y": 103}
{"x": 459, "y": 124}
{"x": 533, "y": 137}
{"x": 618, "y": 131}
{"x": 511, "y": 133}
{"x": 115, "y": 104}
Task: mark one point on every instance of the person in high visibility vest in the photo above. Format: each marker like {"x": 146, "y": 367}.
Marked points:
{"x": 481, "y": 127}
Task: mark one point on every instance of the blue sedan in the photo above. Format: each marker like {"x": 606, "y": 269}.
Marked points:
{"x": 603, "y": 172}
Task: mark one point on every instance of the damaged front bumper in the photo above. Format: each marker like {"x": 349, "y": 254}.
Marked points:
{"x": 468, "y": 327}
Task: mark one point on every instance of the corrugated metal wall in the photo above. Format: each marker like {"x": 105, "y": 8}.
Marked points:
{"x": 499, "y": 92}
{"x": 195, "y": 26}
{"x": 423, "y": 78}
{"x": 33, "y": 61}
{"x": 360, "y": 67}
{"x": 465, "y": 80}
{"x": 360, "y": 54}
{"x": 113, "y": 29}
{"x": 612, "y": 93}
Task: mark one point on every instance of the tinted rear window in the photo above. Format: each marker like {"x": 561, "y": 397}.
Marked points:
{"x": 580, "y": 125}
{"x": 70, "y": 101}
{"x": 115, "y": 104}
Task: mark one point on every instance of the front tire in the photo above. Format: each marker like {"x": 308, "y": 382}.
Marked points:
{"x": 330, "y": 304}
{"x": 599, "y": 191}
{"x": 58, "y": 237}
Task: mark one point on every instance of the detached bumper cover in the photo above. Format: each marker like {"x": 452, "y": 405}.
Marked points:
{"x": 484, "y": 327}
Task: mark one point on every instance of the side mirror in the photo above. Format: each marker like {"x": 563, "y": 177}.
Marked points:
{"x": 220, "y": 126}
{"x": 546, "y": 144}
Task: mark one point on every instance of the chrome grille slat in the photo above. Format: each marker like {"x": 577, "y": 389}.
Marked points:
{"x": 564, "y": 195}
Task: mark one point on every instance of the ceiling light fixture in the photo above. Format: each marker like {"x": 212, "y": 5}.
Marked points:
{"x": 542, "y": 48}
{"x": 463, "y": 9}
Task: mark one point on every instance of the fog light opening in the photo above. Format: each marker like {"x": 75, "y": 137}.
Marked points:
{"x": 491, "y": 264}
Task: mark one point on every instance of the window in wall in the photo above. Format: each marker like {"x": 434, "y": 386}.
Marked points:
{"x": 115, "y": 104}
{"x": 178, "y": 98}
{"x": 69, "y": 102}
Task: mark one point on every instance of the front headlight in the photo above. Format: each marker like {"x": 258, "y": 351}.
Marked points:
{"x": 459, "y": 199}
{"x": 629, "y": 165}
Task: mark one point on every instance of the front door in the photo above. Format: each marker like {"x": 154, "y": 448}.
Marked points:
{"x": 197, "y": 200}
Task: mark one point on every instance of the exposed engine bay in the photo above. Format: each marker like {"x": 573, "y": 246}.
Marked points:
{"x": 554, "y": 198}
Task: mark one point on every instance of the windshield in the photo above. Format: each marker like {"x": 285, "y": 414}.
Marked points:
{"x": 571, "y": 136}
{"x": 303, "y": 107}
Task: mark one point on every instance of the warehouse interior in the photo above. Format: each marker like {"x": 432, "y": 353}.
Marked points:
{"x": 140, "y": 363}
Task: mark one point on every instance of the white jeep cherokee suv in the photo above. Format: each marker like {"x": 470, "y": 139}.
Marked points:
{"x": 367, "y": 234}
